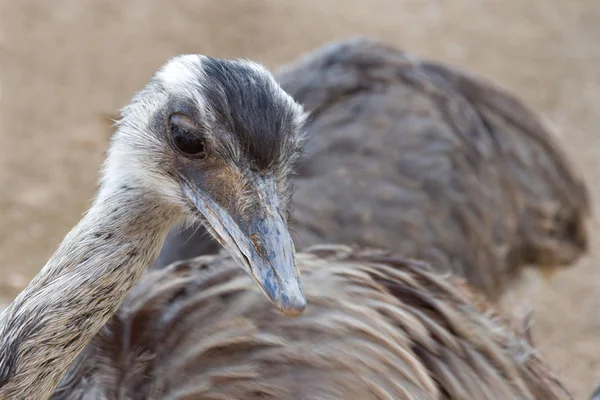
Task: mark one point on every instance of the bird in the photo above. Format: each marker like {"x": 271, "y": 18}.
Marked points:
{"x": 200, "y": 329}
{"x": 207, "y": 139}
{"x": 427, "y": 159}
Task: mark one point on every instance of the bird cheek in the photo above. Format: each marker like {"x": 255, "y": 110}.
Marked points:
{"x": 212, "y": 178}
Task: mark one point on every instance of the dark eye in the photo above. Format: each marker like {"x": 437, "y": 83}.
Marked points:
{"x": 186, "y": 136}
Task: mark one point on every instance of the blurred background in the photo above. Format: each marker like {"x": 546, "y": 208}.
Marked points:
{"x": 69, "y": 65}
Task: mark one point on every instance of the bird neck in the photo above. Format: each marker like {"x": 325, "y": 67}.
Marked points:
{"x": 77, "y": 291}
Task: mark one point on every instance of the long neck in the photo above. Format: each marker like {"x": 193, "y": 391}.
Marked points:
{"x": 77, "y": 291}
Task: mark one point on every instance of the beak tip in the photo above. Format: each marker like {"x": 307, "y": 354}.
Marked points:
{"x": 293, "y": 308}
{"x": 290, "y": 300}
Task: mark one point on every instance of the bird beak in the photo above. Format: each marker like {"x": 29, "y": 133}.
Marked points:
{"x": 263, "y": 246}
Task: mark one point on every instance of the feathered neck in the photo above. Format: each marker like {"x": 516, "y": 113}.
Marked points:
{"x": 77, "y": 291}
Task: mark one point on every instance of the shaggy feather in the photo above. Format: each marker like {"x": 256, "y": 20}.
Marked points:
{"x": 199, "y": 329}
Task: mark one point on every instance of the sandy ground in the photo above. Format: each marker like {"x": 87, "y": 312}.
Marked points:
{"x": 66, "y": 65}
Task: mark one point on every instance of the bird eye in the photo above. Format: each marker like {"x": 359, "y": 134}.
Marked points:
{"x": 186, "y": 136}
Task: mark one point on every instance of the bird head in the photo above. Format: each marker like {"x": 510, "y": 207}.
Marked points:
{"x": 215, "y": 141}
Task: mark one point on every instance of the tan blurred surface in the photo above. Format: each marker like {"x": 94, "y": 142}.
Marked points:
{"x": 66, "y": 65}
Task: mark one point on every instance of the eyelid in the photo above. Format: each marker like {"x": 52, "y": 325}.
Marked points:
{"x": 184, "y": 120}
{"x": 188, "y": 123}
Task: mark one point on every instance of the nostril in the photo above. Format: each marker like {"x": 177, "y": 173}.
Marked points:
{"x": 256, "y": 244}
